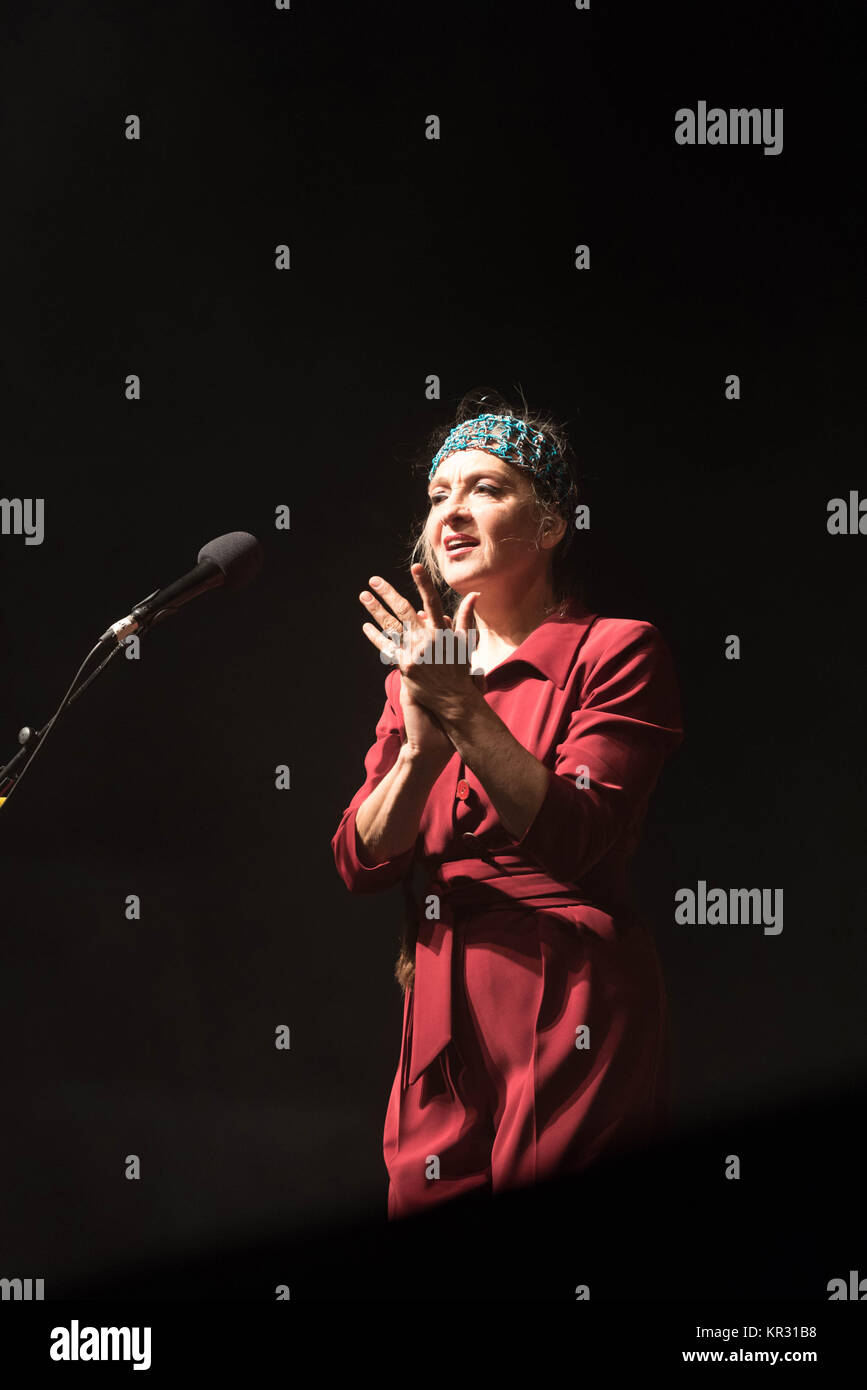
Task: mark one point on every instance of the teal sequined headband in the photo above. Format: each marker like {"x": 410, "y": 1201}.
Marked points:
{"x": 513, "y": 441}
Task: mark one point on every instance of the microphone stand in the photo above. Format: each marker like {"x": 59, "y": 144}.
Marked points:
{"x": 31, "y": 738}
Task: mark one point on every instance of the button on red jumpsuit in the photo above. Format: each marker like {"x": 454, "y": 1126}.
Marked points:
{"x": 535, "y": 1033}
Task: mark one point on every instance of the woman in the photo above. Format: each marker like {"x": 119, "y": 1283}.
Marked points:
{"x": 516, "y": 777}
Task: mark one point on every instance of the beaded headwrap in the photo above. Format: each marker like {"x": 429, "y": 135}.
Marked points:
{"x": 514, "y": 441}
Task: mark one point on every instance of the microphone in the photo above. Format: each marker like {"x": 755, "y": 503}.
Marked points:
{"x": 231, "y": 561}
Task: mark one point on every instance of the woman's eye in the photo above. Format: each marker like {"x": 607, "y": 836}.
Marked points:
{"x": 480, "y": 487}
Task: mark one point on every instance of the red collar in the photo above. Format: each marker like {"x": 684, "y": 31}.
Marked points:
{"x": 552, "y": 646}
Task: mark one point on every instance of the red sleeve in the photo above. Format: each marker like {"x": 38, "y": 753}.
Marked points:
{"x": 380, "y": 758}
{"x": 627, "y": 723}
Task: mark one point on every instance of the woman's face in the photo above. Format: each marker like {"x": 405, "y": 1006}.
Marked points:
{"x": 476, "y": 495}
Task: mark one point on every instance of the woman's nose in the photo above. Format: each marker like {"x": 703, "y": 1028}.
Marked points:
{"x": 456, "y": 508}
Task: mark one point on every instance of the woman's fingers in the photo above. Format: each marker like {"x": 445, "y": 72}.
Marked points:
{"x": 464, "y": 624}
{"x": 465, "y": 612}
{"x": 383, "y": 641}
{"x": 396, "y": 602}
{"x": 425, "y": 586}
{"x": 378, "y": 611}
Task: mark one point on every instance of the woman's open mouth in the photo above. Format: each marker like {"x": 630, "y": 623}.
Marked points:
{"x": 461, "y": 546}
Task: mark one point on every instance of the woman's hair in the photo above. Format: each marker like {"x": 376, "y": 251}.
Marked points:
{"x": 566, "y": 580}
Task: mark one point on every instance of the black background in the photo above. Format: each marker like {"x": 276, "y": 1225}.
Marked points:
{"x": 306, "y": 388}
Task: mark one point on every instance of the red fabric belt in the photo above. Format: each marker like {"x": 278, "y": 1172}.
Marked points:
{"x": 430, "y": 1006}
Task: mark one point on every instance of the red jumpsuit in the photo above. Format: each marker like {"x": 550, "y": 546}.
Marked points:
{"x": 535, "y": 1034}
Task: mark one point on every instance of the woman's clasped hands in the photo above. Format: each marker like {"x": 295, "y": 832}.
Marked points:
{"x": 433, "y": 654}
